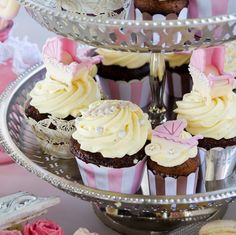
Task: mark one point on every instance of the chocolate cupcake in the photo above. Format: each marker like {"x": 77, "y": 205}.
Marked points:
{"x": 173, "y": 160}
{"x": 109, "y": 145}
{"x": 178, "y": 79}
{"x": 209, "y": 109}
{"x": 68, "y": 88}
{"x": 125, "y": 76}
{"x": 153, "y": 9}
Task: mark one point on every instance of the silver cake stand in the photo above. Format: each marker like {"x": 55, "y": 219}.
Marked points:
{"x": 128, "y": 214}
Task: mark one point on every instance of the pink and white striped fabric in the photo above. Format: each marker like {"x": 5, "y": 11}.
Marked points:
{"x": 123, "y": 180}
{"x": 207, "y": 8}
{"x": 136, "y": 91}
{"x": 169, "y": 186}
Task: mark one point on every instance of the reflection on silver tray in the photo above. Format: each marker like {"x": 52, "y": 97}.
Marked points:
{"x": 19, "y": 141}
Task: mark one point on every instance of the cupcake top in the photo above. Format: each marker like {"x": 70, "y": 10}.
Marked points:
{"x": 177, "y": 59}
{"x": 123, "y": 59}
{"x": 84, "y": 231}
{"x": 210, "y": 107}
{"x": 113, "y": 128}
{"x": 69, "y": 86}
{"x": 171, "y": 145}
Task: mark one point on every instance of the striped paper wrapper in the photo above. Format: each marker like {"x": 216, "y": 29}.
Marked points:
{"x": 169, "y": 186}
{"x": 203, "y": 8}
{"x": 123, "y": 180}
{"x": 136, "y": 91}
{"x": 138, "y": 15}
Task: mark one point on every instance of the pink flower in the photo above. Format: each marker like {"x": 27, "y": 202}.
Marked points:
{"x": 43, "y": 227}
{"x": 13, "y": 232}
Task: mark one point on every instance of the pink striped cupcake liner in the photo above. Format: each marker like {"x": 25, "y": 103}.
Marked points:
{"x": 123, "y": 180}
{"x": 136, "y": 91}
{"x": 169, "y": 186}
{"x": 203, "y": 8}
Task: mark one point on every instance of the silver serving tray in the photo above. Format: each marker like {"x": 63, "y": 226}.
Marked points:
{"x": 130, "y": 35}
{"x": 19, "y": 141}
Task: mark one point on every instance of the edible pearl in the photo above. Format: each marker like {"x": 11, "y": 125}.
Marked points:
{"x": 99, "y": 130}
{"x": 121, "y": 134}
{"x": 152, "y": 147}
{"x": 141, "y": 122}
{"x": 171, "y": 151}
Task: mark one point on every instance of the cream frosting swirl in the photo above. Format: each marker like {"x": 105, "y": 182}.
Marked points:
{"x": 113, "y": 128}
{"x": 215, "y": 118}
{"x": 177, "y": 59}
{"x": 230, "y": 57}
{"x": 168, "y": 153}
{"x": 60, "y": 100}
{"x": 123, "y": 59}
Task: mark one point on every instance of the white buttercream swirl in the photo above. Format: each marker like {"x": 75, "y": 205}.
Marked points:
{"x": 124, "y": 59}
{"x": 113, "y": 128}
{"x": 61, "y": 100}
{"x": 168, "y": 153}
{"x": 177, "y": 59}
{"x": 215, "y": 118}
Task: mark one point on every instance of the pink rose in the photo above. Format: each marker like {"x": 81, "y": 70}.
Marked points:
{"x": 13, "y": 232}
{"x": 43, "y": 227}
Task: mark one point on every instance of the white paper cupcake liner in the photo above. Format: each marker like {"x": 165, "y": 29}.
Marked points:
{"x": 219, "y": 162}
{"x": 123, "y": 180}
{"x": 136, "y": 91}
{"x": 54, "y": 142}
{"x": 169, "y": 186}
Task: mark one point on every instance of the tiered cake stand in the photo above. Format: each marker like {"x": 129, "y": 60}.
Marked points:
{"x": 128, "y": 214}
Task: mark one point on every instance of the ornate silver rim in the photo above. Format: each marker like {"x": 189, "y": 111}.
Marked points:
{"x": 77, "y": 189}
{"x": 133, "y": 35}
{"x": 33, "y": 4}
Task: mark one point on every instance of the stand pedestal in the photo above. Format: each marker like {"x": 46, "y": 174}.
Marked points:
{"x": 128, "y": 225}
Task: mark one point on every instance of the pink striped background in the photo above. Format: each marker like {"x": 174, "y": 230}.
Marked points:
{"x": 206, "y": 8}
{"x": 136, "y": 91}
{"x": 169, "y": 186}
{"x": 123, "y": 180}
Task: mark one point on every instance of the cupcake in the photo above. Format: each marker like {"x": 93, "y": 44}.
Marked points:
{"x": 125, "y": 76}
{"x": 9, "y": 9}
{"x": 219, "y": 227}
{"x": 97, "y": 8}
{"x": 109, "y": 145}
{"x": 173, "y": 160}
{"x": 68, "y": 88}
{"x": 178, "y": 79}
{"x": 209, "y": 110}
{"x": 160, "y": 9}
{"x": 84, "y": 231}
